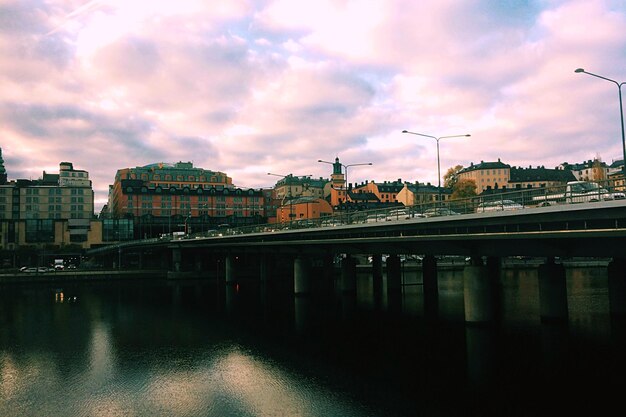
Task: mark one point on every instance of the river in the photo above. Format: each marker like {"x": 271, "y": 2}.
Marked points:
{"x": 198, "y": 348}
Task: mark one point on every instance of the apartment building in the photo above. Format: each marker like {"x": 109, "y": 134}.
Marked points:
{"x": 56, "y": 209}
{"x": 487, "y": 175}
{"x": 416, "y": 193}
{"x": 163, "y": 198}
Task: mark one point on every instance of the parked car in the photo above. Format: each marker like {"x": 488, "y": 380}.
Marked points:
{"x": 439, "y": 211}
{"x": 498, "y": 205}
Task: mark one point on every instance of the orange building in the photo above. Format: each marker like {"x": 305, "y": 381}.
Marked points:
{"x": 303, "y": 208}
{"x": 163, "y": 198}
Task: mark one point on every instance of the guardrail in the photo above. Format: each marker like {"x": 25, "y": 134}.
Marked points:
{"x": 495, "y": 201}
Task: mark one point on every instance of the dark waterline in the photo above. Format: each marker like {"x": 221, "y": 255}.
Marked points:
{"x": 205, "y": 349}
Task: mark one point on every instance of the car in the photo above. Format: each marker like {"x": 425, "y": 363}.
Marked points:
{"x": 439, "y": 211}
{"x": 376, "y": 217}
{"x": 498, "y": 205}
{"x": 398, "y": 214}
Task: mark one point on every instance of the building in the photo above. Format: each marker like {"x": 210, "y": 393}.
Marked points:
{"x": 386, "y": 191}
{"x": 303, "y": 208}
{"x": 521, "y": 178}
{"x": 164, "y": 198}
{"x": 51, "y": 213}
{"x": 486, "y": 175}
{"x": 43, "y": 204}
{"x": 416, "y": 193}
{"x": 591, "y": 170}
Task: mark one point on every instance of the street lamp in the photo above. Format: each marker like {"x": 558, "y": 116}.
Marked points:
{"x": 438, "y": 163}
{"x": 286, "y": 177}
{"x": 621, "y": 113}
{"x": 346, "y": 169}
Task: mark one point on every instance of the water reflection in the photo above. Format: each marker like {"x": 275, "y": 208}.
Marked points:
{"x": 205, "y": 348}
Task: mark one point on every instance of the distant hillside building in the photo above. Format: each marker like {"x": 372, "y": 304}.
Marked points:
{"x": 486, "y": 175}
{"x": 591, "y": 170}
{"x": 539, "y": 177}
{"x": 416, "y": 193}
{"x": 386, "y": 191}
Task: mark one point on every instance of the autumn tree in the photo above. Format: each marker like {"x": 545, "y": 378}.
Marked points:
{"x": 463, "y": 189}
{"x": 450, "y": 178}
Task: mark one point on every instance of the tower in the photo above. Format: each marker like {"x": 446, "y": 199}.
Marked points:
{"x": 337, "y": 178}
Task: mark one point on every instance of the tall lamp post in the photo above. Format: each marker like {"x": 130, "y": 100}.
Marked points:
{"x": 345, "y": 167}
{"x": 621, "y": 113}
{"x": 438, "y": 161}
{"x": 287, "y": 182}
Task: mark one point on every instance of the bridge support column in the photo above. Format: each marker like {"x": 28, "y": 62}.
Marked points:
{"x": 377, "y": 267}
{"x": 230, "y": 269}
{"x": 430, "y": 286}
{"x": 617, "y": 287}
{"x": 480, "y": 290}
{"x": 394, "y": 274}
{"x": 348, "y": 275}
{"x": 301, "y": 276}
{"x": 377, "y": 276}
{"x": 552, "y": 291}
{"x": 177, "y": 258}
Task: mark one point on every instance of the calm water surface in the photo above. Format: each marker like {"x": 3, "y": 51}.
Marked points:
{"x": 202, "y": 349}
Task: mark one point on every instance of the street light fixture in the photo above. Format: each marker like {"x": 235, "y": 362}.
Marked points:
{"x": 621, "y": 112}
{"x": 290, "y": 194}
{"x": 346, "y": 169}
{"x": 438, "y": 162}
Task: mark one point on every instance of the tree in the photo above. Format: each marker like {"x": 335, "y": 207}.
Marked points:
{"x": 450, "y": 178}
{"x": 464, "y": 189}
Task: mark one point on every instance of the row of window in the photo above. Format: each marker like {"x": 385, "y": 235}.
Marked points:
{"x": 168, "y": 177}
{"x": 53, "y": 191}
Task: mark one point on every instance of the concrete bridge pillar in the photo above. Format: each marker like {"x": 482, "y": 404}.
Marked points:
{"x": 230, "y": 269}
{"x": 617, "y": 287}
{"x": 480, "y": 290}
{"x": 552, "y": 291}
{"x": 377, "y": 275}
{"x": 177, "y": 258}
{"x": 394, "y": 274}
{"x": 348, "y": 275}
{"x": 377, "y": 267}
{"x": 301, "y": 275}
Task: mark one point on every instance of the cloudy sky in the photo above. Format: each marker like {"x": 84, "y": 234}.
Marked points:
{"x": 250, "y": 87}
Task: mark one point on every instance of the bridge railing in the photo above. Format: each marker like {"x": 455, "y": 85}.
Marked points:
{"x": 489, "y": 201}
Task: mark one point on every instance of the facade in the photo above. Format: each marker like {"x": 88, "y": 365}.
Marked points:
{"x": 416, "y": 193}
{"x": 591, "y": 170}
{"x": 56, "y": 209}
{"x": 521, "y": 178}
{"x": 165, "y": 198}
{"x": 486, "y": 175}
{"x": 302, "y": 208}
{"x": 291, "y": 186}
{"x": 386, "y": 192}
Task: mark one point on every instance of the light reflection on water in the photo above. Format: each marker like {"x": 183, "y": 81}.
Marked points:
{"x": 185, "y": 350}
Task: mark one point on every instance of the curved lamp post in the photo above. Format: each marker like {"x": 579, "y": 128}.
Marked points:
{"x": 345, "y": 168}
{"x": 438, "y": 163}
{"x": 621, "y": 112}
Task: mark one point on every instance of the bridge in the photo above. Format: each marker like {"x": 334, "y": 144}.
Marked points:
{"x": 308, "y": 249}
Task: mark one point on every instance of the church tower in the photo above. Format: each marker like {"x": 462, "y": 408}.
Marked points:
{"x": 337, "y": 178}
